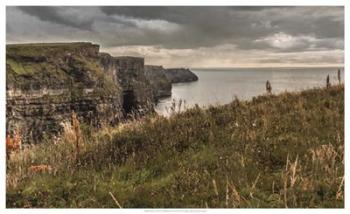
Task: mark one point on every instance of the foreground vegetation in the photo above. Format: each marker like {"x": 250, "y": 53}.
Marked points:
{"x": 273, "y": 151}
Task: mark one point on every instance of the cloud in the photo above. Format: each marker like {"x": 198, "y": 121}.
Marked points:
{"x": 152, "y": 24}
{"x": 59, "y": 15}
{"x": 285, "y": 41}
{"x": 263, "y": 30}
{"x": 228, "y": 56}
{"x": 282, "y": 40}
{"x": 215, "y": 25}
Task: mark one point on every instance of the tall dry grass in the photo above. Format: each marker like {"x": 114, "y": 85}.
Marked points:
{"x": 275, "y": 151}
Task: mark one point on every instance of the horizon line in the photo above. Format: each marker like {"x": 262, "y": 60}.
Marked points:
{"x": 289, "y": 66}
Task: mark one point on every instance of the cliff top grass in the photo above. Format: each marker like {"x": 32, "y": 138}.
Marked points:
{"x": 282, "y": 150}
{"x": 30, "y": 58}
{"x": 53, "y": 44}
{"x": 55, "y": 65}
{"x": 42, "y": 49}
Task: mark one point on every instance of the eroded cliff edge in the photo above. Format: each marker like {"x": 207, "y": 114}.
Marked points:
{"x": 160, "y": 83}
{"x": 177, "y": 75}
{"x": 46, "y": 82}
{"x": 162, "y": 78}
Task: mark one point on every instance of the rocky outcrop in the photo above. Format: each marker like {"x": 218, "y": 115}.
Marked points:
{"x": 39, "y": 117}
{"x": 161, "y": 78}
{"x": 177, "y": 75}
{"x": 46, "y": 82}
{"x": 161, "y": 86}
{"x": 128, "y": 72}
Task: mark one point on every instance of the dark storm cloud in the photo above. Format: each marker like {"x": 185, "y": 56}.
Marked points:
{"x": 52, "y": 14}
{"x": 166, "y": 29}
{"x": 207, "y": 26}
{"x": 175, "y": 13}
{"x": 146, "y": 12}
{"x": 198, "y": 26}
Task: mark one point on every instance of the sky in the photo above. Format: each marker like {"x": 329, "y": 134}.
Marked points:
{"x": 205, "y": 37}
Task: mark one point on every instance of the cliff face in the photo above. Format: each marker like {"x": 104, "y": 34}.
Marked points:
{"x": 161, "y": 78}
{"x": 176, "y": 75}
{"x": 161, "y": 86}
{"x": 128, "y": 72}
{"x": 46, "y": 82}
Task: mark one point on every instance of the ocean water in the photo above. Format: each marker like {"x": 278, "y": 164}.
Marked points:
{"x": 217, "y": 86}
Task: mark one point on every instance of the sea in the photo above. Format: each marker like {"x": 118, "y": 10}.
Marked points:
{"x": 221, "y": 86}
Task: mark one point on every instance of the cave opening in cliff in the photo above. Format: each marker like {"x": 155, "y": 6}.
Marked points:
{"x": 129, "y": 102}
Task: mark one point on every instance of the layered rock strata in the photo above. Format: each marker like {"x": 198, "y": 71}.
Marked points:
{"x": 46, "y": 82}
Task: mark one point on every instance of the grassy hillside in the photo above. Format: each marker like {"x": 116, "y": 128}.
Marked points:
{"x": 274, "y": 151}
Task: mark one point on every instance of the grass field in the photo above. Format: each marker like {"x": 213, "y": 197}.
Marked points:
{"x": 282, "y": 150}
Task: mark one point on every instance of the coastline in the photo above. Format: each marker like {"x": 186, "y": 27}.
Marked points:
{"x": 235, "y": 144}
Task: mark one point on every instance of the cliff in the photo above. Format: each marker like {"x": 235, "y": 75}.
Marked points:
{"x": 128, "y": 72}
{"x": 46, "y": 82}
{"x": 161, "y": 78}
{"x": 161, "y": 86}
{"x": 177, "y": 75}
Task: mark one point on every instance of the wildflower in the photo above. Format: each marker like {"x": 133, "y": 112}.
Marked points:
{"x": 40, "y": 168}
{"x": 8, "y": 145}
{"x": 13, "y": 144}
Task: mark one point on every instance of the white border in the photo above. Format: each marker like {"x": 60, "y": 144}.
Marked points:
{"x": 170, "y": 2}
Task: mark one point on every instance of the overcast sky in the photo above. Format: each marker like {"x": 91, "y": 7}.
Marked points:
{"x": 192, "y": 36}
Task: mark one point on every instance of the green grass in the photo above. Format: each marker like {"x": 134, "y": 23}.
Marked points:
{"x": 273, "y": 151}
{"x": 56, "y": 65}
{"x": 43, "y": 49}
